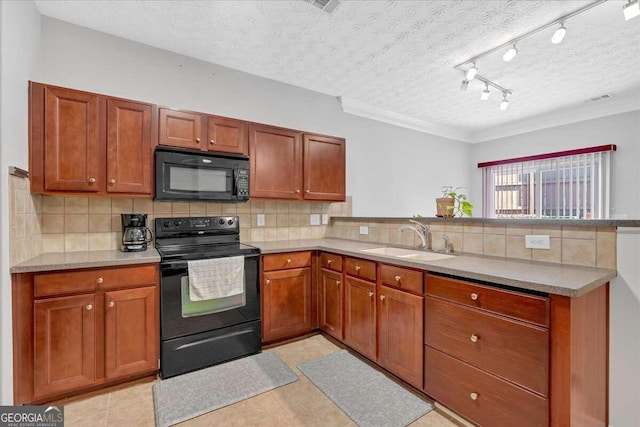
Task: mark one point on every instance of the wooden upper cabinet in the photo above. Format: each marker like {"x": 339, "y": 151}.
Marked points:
{"x": 72, "y": 141}
{"x": 275, "y": 159}
{"x": 64, "y": 344}
{"x": 131, "y": 341}
{"x": 227, "y": 135}
{"x": 128, "y": 147}
{"x": 324, "y": 168}
{"x": 181, "y": 129}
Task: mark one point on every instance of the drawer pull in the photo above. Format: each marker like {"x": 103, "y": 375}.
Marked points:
{"x": 99, "y": 280}
{"x": 112, "y": 181}
{"x": 111, "y": 303}
{"x": 357, "y": 268}
{"x": 213, "y": 141}
{"x": 88, "y": 307}
{"x": 397, "y": 278}
{"x": 474, "y": 296}
{"x": 267, "y": 282}
{"x": 474, "y": 338}
{"x": 338, "y": 282}
{"x": 473, "y": 395}
{"x": 382, "y": 297}
{"x": 197, "y": 140}
{"x": 288, "y": 260}
{"x": 370, "y": 294}
{"x": 92, "y": 180}
{"x": 329, "y": 261}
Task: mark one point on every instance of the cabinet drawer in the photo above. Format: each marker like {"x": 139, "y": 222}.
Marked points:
{"x": 529, "y": 308}
{"x": 402, "y": 278}
{"x": 455, "y": 384}
{"x": 286, "y": 260}
{"x": 66, "y": 282}
{"x": 513, "y": 350}
{"x": 331, "y": 261}
{"x": 360, "y": 268}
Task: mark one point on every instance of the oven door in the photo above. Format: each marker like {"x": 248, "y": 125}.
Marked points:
{"x": 181, "y": 317}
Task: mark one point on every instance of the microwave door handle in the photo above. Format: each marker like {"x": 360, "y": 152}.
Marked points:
{"x": 235, "y": 180}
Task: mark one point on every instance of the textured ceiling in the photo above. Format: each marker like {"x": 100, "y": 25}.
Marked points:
{"x": 395, "y": 58}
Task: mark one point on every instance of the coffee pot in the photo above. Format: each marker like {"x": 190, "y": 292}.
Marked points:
{"x": 135, "y": 234}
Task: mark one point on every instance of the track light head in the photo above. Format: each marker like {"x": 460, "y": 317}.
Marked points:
{"x": 485, "y": 93}
{"x": 631, "y": 9}
{"x": 471, "y": 72}
{"x": 559, "y": 34}
{"x": 504, "y": 104}
{"x": 464, "y": 85}
{"x": 510, "y": 53}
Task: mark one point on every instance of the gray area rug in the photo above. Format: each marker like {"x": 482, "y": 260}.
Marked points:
{"x": 187, "y": 396}
{"x": 367, "y": 396}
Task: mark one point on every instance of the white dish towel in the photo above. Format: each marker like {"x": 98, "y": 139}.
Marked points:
{"x": 216, "y": 278}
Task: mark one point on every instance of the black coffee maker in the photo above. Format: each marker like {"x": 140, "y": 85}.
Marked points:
{"x": 135, "y": 234}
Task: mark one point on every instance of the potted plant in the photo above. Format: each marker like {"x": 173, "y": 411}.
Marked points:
{"x": 453, "y": 203}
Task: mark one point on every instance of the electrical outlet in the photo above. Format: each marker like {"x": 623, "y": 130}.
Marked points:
{"x": 325, "y": 218}
{"x": 314, "y": 219}
{"x": 364, "y": 229}
{"x": 533, "y": 241}
{"x": 260, "y": 220}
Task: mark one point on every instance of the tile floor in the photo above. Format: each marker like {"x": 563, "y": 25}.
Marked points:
{"x": 296, "y": 404}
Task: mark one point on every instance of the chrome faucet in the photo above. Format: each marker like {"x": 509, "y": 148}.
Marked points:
{"x": 447, "y": 244}
{"x": 421, "y": 230}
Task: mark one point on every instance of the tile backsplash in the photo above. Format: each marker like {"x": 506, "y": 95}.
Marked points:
{"x": 25, "y": 219}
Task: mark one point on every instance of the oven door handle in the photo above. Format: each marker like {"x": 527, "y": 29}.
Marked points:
{"x": 183, "y": 264}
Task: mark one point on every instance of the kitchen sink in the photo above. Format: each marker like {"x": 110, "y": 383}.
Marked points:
{"x": 408, "y": 254}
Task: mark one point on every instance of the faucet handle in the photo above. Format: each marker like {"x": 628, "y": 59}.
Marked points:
{"x": 422, "y": 226}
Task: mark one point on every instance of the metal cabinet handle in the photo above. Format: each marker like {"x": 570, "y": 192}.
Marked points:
{"x": 89, "y": 307}
{"x": 267, "y": 281}
{"x": 308, "y": 191}
{"x": 297, "y": 191}
{"x": 338, "y": 282}
{"x": 92, "y": 180}
{"x": 371, "y": 294}
{"x": 474, "y": 296}
{"x": 111, "y": 303}
{"x": 474, "y": 338}
{"x": 197, "y": 140}
{"x": 473, "y": 395}
{"x": 357, "y": 268}
{"x": 382, "y": 297}
{"x": 288, "y": 260}
{"x": 397, "y": 278}
{"x": 213, "y": 141}
{"x": 99, "y": 280}
{"x": 112, "y": 181}
{"x": 329, "y": 261}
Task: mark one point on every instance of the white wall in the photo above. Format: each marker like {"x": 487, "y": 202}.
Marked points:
{"x": 624, "y": 131}
{"x": 85, "y": 59}
{"x": 19, "y": 62}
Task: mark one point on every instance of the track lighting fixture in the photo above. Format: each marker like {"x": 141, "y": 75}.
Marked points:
{"x": 559, "y": 34}
{"x": 471, "y": 72}
{"x": 504, "y": 104}
{"x": 631, "y": 9}
{"x": 510, "y": 53}
{"x": 485, "y": 92}
{"x": 464, "y": 85}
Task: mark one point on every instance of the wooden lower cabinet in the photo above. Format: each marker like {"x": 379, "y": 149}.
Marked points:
{"x": 64, "y": 344}
{"x": 360, "y": 316}
{"x": 401, "y": 320}
{"x": 286, "y": 299}
{"x": 330, "y": 301}
{"x": 106, "y": 331}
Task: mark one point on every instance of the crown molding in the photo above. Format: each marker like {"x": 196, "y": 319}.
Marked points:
{"x": 361, "y": 109}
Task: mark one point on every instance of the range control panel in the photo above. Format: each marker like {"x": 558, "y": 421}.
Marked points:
{"x": 197, "y": 224}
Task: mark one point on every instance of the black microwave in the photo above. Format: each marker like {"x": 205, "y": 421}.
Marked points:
{"x": 189, "y": 175}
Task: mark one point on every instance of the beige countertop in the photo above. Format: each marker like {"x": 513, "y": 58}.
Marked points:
{"x": 543, "y": 277}
{"x": 70, "y": 260}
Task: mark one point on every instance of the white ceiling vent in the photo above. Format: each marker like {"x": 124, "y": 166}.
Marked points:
{"x": 324, "y": 5}
{"x": 598, "y": 98}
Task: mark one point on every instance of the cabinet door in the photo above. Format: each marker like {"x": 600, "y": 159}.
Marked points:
{"x": 331, "y": 303}
{"x": 276, "y": 163}
{"x": 131, "y": 331}
{"x": 128, "y": 147}
{"x": 360, "y": 316}
{"x": 286, "y": 303}
{"x": 401, "y": 325}
{"x": 181, "y": 129}
{"x": 72, "y": 154}
{"x": 227, "y": 135}
{"x": 324, "y": 168}
{"x": 65, "y": 344}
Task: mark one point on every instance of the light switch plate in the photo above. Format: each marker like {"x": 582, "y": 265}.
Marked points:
{"x": 536, "y": 241}
{"x": 314, "y": 219}
{"x": 325, "y": 218}
{"x": 260, "y": 220}
{"x": 364, "y": 229}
